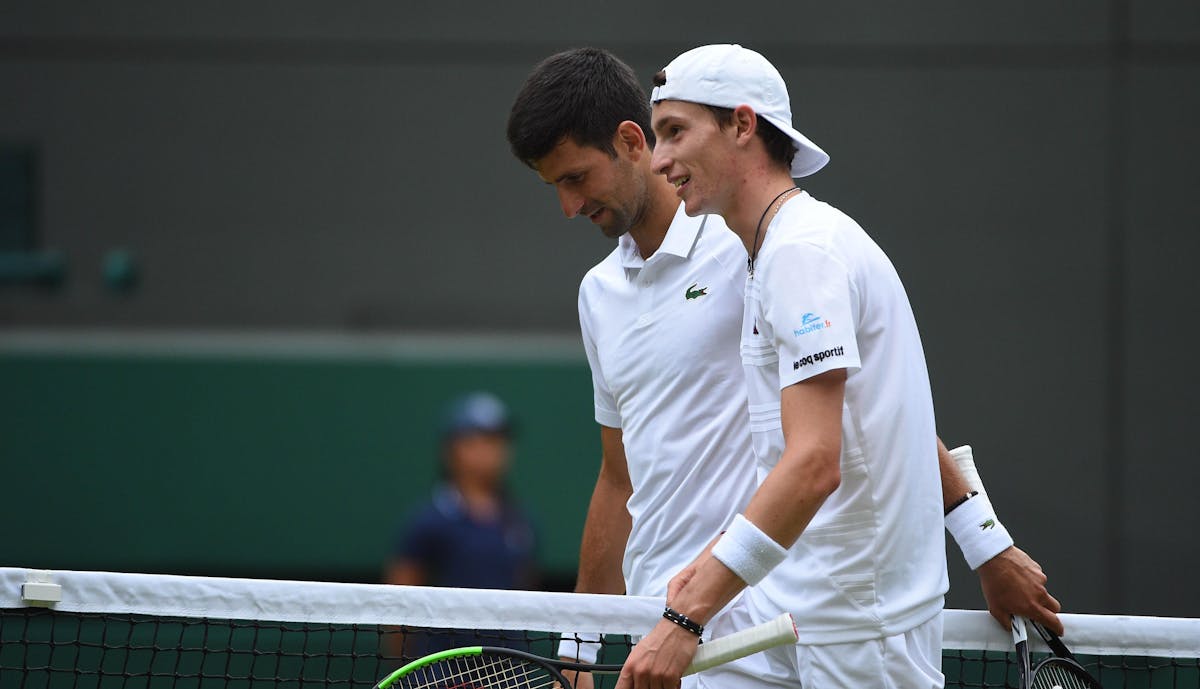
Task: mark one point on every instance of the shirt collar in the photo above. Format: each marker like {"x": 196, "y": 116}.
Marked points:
{"x": 681, "y": 238}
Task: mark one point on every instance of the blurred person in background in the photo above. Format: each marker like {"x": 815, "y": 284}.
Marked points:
{"x": 470, "y": 533}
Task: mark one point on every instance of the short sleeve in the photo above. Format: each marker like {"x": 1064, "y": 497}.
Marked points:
{"x": 808, "y": 299}
{"x": 605, "y": 403}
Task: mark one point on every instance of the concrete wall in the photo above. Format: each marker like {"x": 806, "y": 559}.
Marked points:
{"x": 1028, "y": 167}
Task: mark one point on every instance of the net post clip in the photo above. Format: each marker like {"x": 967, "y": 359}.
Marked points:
{"x": 39, "y": 590}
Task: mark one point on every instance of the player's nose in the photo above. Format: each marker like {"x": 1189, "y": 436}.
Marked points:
{"x": 571, "y": 203}
{"x": 660, "y": 162}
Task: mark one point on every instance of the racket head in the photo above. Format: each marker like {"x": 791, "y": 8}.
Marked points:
{"x": 1062, "y": 673}
{"x": 476, "y": 667}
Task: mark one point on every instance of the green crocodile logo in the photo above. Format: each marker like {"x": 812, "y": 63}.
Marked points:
{"x": 692, "y": 292}
{"x": 987, "y": 525}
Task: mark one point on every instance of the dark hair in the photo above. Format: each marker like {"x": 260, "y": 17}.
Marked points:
{"x": 583, "y": 94}
{"x": 780, "y": 147}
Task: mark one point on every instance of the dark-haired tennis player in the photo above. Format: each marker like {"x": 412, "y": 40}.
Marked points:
{"x": 661, "y": 319}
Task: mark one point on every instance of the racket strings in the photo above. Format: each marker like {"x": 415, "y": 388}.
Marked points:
{"x": 1059, "y": 676}
{"x": 478, "y": 672}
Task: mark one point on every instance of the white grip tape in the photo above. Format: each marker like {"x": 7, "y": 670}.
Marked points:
{"x": 977, "y": 530}
{"x": 777, "y": 632}
{"x": 965, "y": 460}
{"x": 580, "y": 647}
{"x": 749, "y": 552}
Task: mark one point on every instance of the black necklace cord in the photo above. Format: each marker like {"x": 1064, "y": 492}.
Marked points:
{"x": 758, "y": 228}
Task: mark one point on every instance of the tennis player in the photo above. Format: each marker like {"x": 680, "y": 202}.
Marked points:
{"x": 840, "y": 403}
{"x": 661, "y": 319}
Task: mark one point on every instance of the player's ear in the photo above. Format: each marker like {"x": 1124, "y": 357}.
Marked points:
{"x": 630, "y": 140}
{"x": 745, "y": 122}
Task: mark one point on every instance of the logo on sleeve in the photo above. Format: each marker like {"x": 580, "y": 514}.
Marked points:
{"x": 811, "y": 322}
{"x": 818, "y": 357}
{"x": 693, "y": 293}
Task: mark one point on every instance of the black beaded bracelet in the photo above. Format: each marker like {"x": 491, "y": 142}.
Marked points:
{"x": 961, "y": 500}
{"x": 683, "y": 621}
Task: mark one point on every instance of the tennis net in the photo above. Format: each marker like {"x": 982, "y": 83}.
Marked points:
{"x": 102, "y": 630}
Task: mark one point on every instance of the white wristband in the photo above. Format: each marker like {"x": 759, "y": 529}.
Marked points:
{"x": 580, "y": 647}
{"x": 977, "y": 530}
{"x": 749, "y": 552}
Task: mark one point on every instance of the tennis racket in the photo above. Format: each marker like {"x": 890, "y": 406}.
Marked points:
{"x": 1059, "y": 671}
{"x": 484, "y": 667}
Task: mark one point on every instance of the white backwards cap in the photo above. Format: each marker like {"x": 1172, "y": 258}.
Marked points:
{"x": 727, "y": 76}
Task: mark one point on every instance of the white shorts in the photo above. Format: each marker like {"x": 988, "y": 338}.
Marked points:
{"x": 911, "y": 660}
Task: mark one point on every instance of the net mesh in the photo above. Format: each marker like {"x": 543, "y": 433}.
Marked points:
{"x": 132, "y": 631}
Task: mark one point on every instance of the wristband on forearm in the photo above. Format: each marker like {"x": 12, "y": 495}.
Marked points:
{"x": 749, "y": 552}
{"x": 683, "y": 621}
{"x": 977, "y": 530}
{"x": 580, "y": 647}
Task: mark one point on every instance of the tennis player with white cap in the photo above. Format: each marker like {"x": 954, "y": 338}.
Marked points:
{"x": 848, "y": 514}
{"x": 661, "y": 317}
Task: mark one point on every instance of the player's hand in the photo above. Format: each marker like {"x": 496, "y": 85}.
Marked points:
{"x": 1014, "y": 584}
{"x": 658, "y": 660}
{"x": 677, "y": 582}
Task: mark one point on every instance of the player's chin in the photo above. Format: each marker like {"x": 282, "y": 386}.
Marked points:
{"x": 612, "y": 233}
{"x": 694, "y": 205}
{"x": 615, "y": 227}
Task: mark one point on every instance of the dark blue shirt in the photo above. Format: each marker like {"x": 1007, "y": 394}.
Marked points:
{"x": 458, "y": 549}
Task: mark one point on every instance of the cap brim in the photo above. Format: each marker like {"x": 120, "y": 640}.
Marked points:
{"x": 809, "y": 156}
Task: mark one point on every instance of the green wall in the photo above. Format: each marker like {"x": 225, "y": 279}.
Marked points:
{"x": 253, "y": 466}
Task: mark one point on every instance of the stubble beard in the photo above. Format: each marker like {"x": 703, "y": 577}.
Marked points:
{"x": 629, "y": 216}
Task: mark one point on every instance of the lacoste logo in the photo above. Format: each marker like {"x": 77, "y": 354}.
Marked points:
{"x": 693, "y": 293}
{"x": 987, "y": 525}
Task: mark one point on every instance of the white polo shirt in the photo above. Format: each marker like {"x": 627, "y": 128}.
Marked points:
{"x": 661, "y": 337}
{"x": 824, "y": 296}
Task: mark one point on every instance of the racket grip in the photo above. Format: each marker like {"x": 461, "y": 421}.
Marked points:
{"x": 1019, "y": 631}
{"x": 777, "y": 632}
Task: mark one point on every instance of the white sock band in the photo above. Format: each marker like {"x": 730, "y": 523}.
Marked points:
{"x": 747, "y": 551}
{"x": 580, "y": 647}
{"x": 977, "y": 530}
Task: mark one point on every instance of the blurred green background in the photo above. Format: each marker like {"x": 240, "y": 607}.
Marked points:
{"x": 279, "y": 467}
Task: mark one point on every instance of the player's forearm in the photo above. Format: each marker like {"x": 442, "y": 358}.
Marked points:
{"x": 605, "y": 534}
{"x": 809, "y": 469}
{"x": 970, "y": 518}
{"x": 954, "y": 485}
{"x": 601, "y": 551}
{"x": 782, "y": 507}
{"x": 804, "y": 477}
{"x": 794, "y": 490}
{"x": 711, "y": 587}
